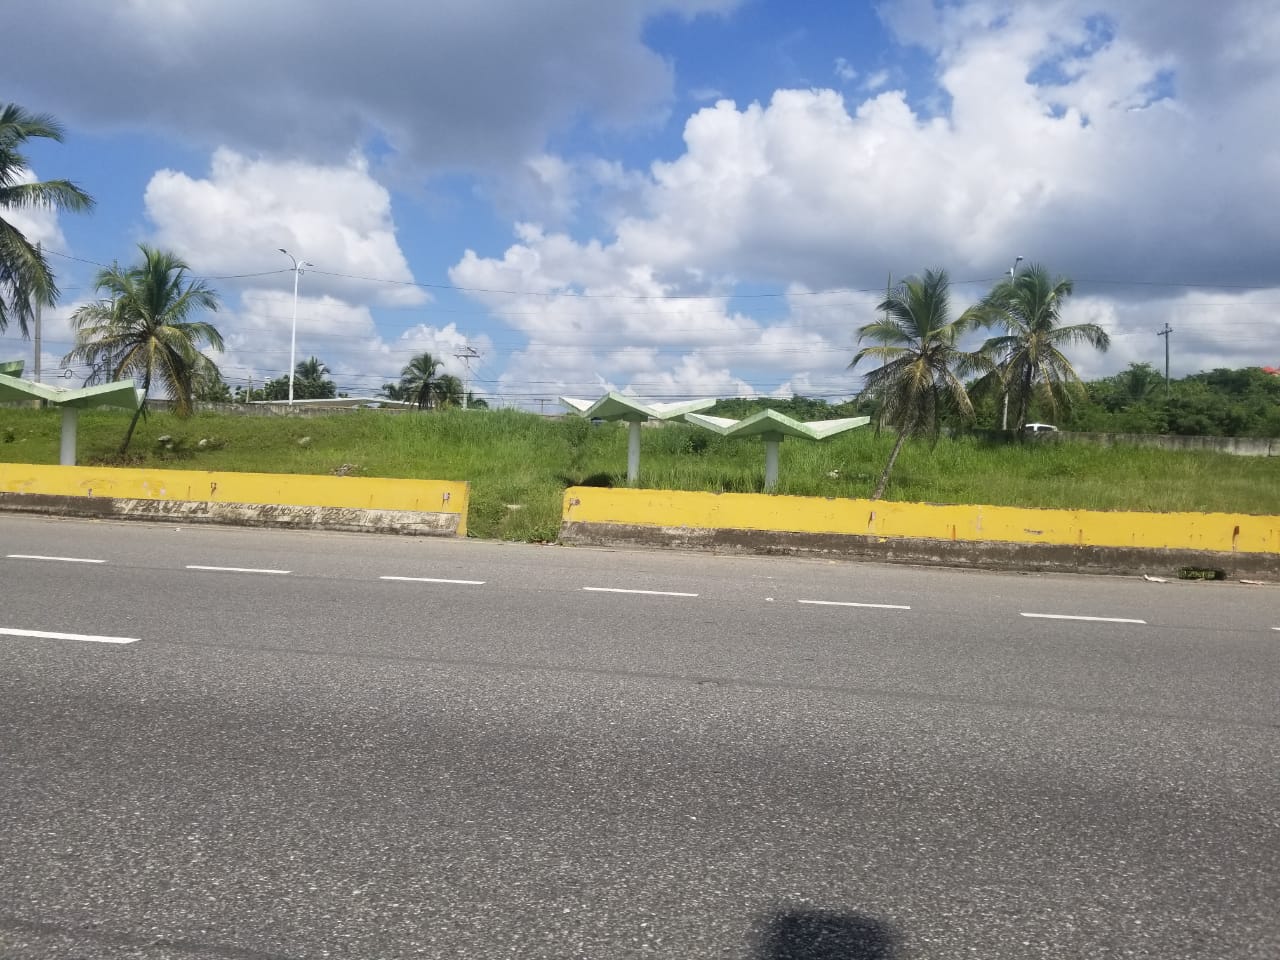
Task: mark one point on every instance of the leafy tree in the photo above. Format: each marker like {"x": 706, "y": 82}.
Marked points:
{"x": 1029, "y": 360}
{"x": 25, "y": 276}
{"x": 476, "y": 403}
{"x": 798, "y": 407}
{"x": 277, "y": 389}
{"x": 144, "y": 329}
{"x": 1137, "y": 383}
{"x": 417, "y": 379}
{"x": 917, "y": 380}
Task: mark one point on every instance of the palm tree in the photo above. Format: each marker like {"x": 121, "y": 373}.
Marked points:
{"x": 144, "y": 329}
{"x": 417, "y": 379}
{"x": 313, "y": 368}
{"x": 311, "y": 380}
{"x": 24, "y": 273}
{"x": 917, "y": 377}
{"x": 394, "y": 391}
{"x": 1029, "y": 358}
{"x": 447, "y": 391}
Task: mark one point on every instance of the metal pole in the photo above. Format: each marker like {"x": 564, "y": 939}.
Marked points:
{"x": 67, "y": 454}
{"x": 771, "y": 444}
{"x": 38, "y": 311}
{"x": 1165, "y": 333}
{"x": 633, "y": 454}
{"x": 293, "y": 336}
{"x": 1004, "y": 418}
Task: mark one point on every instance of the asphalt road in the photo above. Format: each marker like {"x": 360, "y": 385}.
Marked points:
{"x": 374, "y": 747}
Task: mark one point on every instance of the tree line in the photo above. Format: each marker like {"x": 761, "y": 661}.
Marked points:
{"x": 420, "y": 383}
{"x": 1217, "y": 403}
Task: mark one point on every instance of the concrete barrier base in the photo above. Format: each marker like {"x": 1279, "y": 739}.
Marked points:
{"x": 1036, "y": 557}
{"x": 244, "y": 514}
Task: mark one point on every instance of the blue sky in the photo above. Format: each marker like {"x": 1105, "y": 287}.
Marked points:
{"x": 671, "y": 197}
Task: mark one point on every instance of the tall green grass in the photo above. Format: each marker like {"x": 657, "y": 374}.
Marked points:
{"x": 518, "y": 464}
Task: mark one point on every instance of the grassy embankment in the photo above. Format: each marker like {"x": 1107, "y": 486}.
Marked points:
{"x": 519, "y": 464}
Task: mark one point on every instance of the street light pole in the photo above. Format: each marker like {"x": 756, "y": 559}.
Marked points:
{"x": 1004, "y": 421}
{"x": 293, "y": 336}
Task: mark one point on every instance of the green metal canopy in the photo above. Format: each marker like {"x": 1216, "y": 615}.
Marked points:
{"x": 119, "y": 394}
{"x": 771, "y": 421}
{"x": 122, "y": 393}
{"x": 616, "y": 406}
{"x": 773, "y": 427}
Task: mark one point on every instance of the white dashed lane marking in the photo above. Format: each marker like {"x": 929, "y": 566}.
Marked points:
{"x": 845, "y": 603}
{"x": 1064, "y": 616}
{"x": 196, "y": 566}
{"x": 34, "y": 556}
{"x": 647, "y": 593}
{"x": 46, "y": 635}
{"x": 463, "y": 583}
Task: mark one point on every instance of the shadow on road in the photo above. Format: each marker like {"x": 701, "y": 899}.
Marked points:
{"x": 825, "y": 935}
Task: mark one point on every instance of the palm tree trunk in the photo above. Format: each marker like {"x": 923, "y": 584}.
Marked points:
{"x": 888, "y": 467}
{"x": 1024, "y": 401}
{"x": 146, "y": 390}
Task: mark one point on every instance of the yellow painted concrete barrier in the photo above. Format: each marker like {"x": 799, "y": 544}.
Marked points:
{"x": 301, "y": 490}
{"x": 1220, "y": 532}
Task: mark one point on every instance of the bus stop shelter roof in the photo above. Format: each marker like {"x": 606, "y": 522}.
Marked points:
{"x": 772, "y": 423}
{"x": 122, "y": 393}
{"x": 616, "y": 406}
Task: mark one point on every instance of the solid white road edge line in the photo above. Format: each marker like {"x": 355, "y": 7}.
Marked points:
{"x": 1063, "y": 616}
{"x": 647, "y": 593}
{"x": 45, "y": 635}
{"x": 465, "y": 583}
{"x": 842, "y": 603}
{"x": 33, "y": 556}
{"x": 196, "y": 566}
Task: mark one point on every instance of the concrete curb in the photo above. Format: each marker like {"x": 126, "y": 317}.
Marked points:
{"x": 348, "y": 519}
{"x": 1033, "y": 557}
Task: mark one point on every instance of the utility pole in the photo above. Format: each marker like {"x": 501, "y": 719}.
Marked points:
{"x": 466, "y": 356}
{"x": 1165, "y": 333}
{"x": 39, "y": 309}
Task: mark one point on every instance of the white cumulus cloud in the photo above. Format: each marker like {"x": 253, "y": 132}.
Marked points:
{"x": 337, "y": 217}
{"x": 1097, "y": 139}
